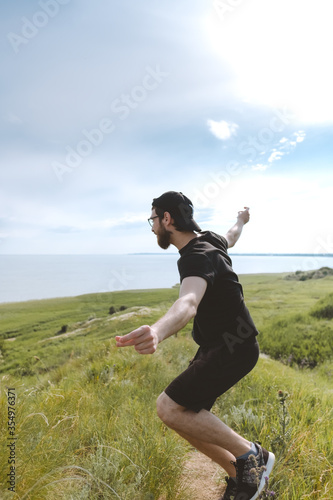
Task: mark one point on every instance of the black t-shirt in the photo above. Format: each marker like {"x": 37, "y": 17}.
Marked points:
{"x": 222, "y": 315}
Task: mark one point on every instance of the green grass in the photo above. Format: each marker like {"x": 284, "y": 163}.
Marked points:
{"x": 32, "y": 322}
{"x": 90, "y": 425}
{"x": 86, "y": 420}
{"x": 293, "y": 317}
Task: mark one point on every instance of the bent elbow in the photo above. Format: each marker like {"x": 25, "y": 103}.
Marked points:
{"x": 188, "y": 306}
{"x": 193, "y": 311}
{"x": 192, "y": 307}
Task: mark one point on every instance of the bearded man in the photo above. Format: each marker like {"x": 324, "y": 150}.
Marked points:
{"x": 211, "y": 295}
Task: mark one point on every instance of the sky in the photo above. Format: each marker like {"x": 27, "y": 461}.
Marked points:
{"x": 105, "y": 105}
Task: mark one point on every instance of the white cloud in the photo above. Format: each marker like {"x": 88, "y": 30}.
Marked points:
{"x": 222, "y": 129}
{"x": 289, "y": 144}
{"x": 300, "y": 136}
{"x": 276, "y": 155}
{"x": 276, "y": 151}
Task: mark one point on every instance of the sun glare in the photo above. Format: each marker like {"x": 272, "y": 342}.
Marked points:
{"x": 279, "y": 53}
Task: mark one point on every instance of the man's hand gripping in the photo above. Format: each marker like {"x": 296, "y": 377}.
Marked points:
{"x": 144, "y": 340}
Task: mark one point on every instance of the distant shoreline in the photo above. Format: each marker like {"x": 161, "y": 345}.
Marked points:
{"x": 250, "y": 254}
{"x": 34, "y": 277}
{"x": 161, "y": 253}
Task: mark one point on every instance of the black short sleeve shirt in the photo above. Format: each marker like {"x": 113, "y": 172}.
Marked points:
{"x": 222, "y": 309}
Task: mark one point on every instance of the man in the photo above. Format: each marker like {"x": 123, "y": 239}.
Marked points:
{"x": 211, "y": 294}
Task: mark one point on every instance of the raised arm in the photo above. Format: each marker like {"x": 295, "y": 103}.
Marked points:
{"x": 145, "y": 339}
{"x": 235, "y": 231}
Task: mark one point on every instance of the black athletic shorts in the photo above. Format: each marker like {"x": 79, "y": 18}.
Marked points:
{"x": 211, "y": 373}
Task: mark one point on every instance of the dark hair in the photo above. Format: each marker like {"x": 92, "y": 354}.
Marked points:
{"x": 160, "y": 213}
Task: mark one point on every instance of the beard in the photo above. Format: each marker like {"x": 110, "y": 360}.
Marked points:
{"x": 163, "y": 238}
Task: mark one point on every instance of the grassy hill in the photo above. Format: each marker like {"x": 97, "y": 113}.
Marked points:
{"x": 85, "y": 418}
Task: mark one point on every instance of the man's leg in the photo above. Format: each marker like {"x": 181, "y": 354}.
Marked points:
{"x": 219, "y": 455}
{"x": 202, "y": 426}
{"x": 211, "y": 436}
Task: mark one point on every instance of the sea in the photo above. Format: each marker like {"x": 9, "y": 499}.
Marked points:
{"x": 30, "y": 277}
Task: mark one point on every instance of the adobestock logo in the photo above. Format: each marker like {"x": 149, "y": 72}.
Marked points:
{"x": 122, "y": 107}
{"x": 252, "y": 148}
{"x": 30, "y": 27}
{"x": 75, "y": 155}
{"x": 218, "y": 182}
{"x": 119, "y": 280}
{"x": 254, "y": 145}
{"x": 243, "y": 332}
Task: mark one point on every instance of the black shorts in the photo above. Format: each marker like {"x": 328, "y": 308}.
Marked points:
{"x": 211, "y": 373}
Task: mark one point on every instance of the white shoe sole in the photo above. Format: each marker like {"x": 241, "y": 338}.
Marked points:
{"x": 269, "y": 467}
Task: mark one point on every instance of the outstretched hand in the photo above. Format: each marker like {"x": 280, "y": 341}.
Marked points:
{"x": 244, "y": 215}
{"x": 144, "y": 340}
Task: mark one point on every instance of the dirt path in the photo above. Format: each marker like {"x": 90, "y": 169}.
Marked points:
{"x": 203, "y": 477}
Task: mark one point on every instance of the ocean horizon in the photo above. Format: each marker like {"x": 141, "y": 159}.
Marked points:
{"x": 33, "y": 277}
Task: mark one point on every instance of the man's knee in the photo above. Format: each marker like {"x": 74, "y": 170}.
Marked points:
{"x": 162, "y": 407}
{"x": 167, "y": 409}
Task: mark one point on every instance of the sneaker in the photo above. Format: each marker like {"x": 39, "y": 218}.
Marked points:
{"x": 230, "y": 491}
{"x": 253, "y": 473}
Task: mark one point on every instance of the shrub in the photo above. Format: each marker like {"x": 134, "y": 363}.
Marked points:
{"x": 63, "y": 329}
{"x": 310, "y": 275}
{"x": 325, "y": 312}
{"x": 298, "y": 339}
{"x": 324, "y": 308}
